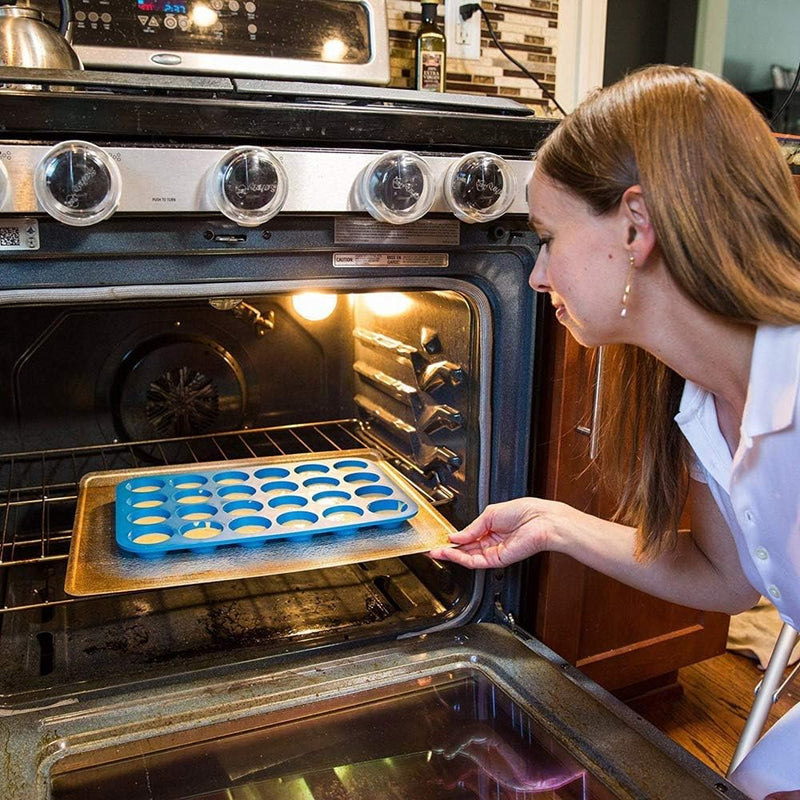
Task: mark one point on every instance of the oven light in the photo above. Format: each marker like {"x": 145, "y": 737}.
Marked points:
{"x": 203, "y": 16}
{"x": 334, "y": 50}
{"x": 314, "y": 306}
{"x": 388, "y": 304}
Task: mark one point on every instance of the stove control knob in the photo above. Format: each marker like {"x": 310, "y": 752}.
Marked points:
{"x": 77, "y": 183}
{"x": 397, "y": 187}
{"x": 479, "y": 187}
{"x": 248, "y": 185}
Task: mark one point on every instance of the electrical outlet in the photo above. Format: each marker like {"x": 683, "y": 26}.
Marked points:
{"x": 463, "y": 38}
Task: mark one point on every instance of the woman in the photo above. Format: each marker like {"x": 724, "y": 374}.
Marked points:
{"x": 670, "y": 234}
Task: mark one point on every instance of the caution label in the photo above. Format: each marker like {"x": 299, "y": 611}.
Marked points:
{"x": 391, "y": 260}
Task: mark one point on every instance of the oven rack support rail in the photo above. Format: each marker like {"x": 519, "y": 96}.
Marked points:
{"x": 39, "y": 489}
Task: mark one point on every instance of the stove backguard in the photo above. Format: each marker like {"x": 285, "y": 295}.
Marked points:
{"x": 166, "y": 341}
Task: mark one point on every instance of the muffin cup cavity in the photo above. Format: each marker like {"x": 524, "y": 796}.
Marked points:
{"x": 241, "y": 508}
{"x": 189, "y": 481}
{"x": 320, "y": 480}
{"x": 349, "y": 464}
{"x": 330, "y": 497}
{"x": 297, "y": 520}
{"x": 303, "y": 469}
{"x": 251, "y": 525}
{"x": 230, "y": 477}
{"x": 362, "y": 477}
{"x": 271, "y": 473}
{"x": 238, "y": 491}
{"x": 144, "y": 485}
{"x": 288, "y": 501}
{"x": 279, "y": 487}
{"x": 373, "y": 490}
{"x": 147, "y": 500}
{"x": 193, "y": 513}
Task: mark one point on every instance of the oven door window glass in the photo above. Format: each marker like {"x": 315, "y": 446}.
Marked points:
{"x": 454, "y": 735}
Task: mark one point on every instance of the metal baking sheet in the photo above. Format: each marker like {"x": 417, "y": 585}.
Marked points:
{"x": 96, "y": 564}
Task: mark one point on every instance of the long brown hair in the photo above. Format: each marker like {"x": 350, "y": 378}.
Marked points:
{"x": 727, "y": 219}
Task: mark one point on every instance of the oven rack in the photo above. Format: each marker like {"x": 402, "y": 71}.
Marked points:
{"x": 39, "y": 489}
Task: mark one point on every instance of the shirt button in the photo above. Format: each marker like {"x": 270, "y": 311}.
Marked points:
{"x": 762, "y": 553}
{"x": 774, "y": 591}
{"x": 748, "y": 515}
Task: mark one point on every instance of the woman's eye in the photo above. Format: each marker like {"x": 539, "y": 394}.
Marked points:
{"x": 544, "y": 241}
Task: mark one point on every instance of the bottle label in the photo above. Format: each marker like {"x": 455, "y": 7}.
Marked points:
{"x": 431, "y": 73}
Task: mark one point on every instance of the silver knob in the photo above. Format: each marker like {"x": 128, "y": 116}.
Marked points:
{"x": 249, "y": 185}
{"x": 397, "y": 187}
{"x": 479, "y": 187}
{"x": 77, "y": 183}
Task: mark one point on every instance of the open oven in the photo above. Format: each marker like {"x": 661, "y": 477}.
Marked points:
{"x": 156, "y": 316}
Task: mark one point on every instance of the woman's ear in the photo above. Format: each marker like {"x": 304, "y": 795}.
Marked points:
{"x": 638, "y": 230}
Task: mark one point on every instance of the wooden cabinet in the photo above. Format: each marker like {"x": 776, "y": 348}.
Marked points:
{"x": 627, "y": 641}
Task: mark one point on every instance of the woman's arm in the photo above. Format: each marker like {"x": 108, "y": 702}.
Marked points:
{"x": 703, "y": 571}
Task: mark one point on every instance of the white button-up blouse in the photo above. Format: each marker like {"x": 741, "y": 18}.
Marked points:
{"x": 758, "y": 489}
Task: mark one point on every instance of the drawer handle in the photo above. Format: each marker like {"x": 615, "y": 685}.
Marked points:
{"x": 593, "y": 429}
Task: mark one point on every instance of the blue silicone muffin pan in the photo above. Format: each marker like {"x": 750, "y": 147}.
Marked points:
{"x": 247, "y": 506}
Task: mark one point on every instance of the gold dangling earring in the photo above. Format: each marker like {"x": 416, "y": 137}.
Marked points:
{"x": 627, "y": 291}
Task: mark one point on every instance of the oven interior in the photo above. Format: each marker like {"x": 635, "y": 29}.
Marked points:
{"x": 119, "y": 385}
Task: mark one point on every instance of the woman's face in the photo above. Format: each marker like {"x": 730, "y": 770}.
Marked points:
{"x": 582, "y": 263}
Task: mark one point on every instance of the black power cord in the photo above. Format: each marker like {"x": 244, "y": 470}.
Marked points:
{"x": 786, "y": 101}
{"x": 467, "y": 10}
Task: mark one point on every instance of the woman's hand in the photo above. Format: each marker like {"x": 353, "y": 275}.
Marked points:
{"x": 505, "y": 533}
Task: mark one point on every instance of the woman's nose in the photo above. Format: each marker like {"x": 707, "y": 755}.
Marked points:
{"x": 538, "y": 277}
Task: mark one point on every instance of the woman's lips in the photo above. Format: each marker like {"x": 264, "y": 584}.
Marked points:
{"x": 560, "y": 312}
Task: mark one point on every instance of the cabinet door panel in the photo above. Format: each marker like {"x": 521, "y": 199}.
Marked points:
{"x": 616, "y": 635}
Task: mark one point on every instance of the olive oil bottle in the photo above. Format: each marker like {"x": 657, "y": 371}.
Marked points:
{"x": 431, "y": 52}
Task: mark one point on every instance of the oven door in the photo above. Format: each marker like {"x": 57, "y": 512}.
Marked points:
{"x": 473, "y": 713}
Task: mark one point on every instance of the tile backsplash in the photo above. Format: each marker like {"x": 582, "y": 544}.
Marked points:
{"x": 528, "y": 29}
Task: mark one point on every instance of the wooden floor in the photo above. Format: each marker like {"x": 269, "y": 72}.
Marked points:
{"x": 708, "y": 716}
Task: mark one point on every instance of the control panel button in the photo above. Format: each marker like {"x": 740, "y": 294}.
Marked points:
{"x": 479, "y": 187}
{"x": 249, "y": 185}
{"x": 397, "y": 187}
{"x": 77, "y": 183}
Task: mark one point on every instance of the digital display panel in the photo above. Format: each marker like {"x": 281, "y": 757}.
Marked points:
{"x": 160, "y": 7}
{"x": 332, "y": 31}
